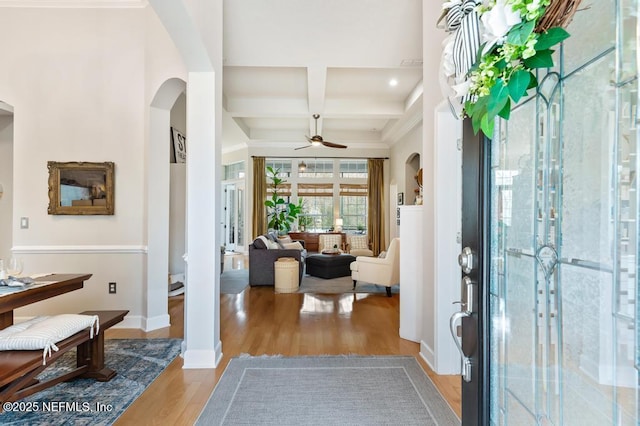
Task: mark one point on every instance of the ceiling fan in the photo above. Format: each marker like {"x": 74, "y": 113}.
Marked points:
{"x": 317, "y": 139}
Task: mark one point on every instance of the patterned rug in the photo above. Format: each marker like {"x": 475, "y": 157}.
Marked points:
{"x": 329, "y": 390}
{"x": 87, "y": 402}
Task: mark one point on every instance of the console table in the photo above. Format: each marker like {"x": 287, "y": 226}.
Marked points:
{"x": 311, "y": 239}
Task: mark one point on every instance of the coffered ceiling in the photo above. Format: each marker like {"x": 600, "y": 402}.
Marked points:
{"x": 286, "y": 60}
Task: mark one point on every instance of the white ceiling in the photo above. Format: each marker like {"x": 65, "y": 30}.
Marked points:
{"x": 286, "y": 60}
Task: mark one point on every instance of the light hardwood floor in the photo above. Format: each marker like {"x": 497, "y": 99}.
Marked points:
{"x": 258, "y": 322}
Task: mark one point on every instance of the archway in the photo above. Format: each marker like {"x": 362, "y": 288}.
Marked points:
{"x": 157, "y": 214}
{"x": 411, "y": 188}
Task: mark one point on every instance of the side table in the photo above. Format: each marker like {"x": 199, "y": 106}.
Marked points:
{"x": 286, "y": 275}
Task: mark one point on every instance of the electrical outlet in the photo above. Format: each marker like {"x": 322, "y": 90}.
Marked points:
{"x": 112, "y": 288}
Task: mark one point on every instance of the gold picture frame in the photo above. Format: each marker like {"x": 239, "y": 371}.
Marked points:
{"x": 81, "y": 188}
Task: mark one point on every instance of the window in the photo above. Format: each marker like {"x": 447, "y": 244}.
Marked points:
{"x": 317, "y": 206}
{"x": 234, "y": 171}
{"x": 353, "y": 168}
{"x": 318, "y": 169}
{"x": 284, "y": 167}
{"x": 353, "y": 206}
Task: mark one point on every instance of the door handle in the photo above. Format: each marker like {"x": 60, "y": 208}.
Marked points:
{"x": 466, "y": 362}
{"x": 467, "y": 307}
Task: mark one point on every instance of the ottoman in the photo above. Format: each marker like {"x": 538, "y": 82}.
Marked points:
{"x": 329, "y": 265}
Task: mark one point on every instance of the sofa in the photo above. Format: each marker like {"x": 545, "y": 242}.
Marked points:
{"x": 264, "y": 251}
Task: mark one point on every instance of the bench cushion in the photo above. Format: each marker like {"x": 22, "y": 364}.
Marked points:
{"x": 45, "y": 332}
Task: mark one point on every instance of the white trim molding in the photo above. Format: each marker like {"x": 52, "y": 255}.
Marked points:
{"x": 160, "y": 321}
{"x": 76, "y": 4}
{"x": 427, "y": 354}
{"x": 194, "y": 358}
{"x": 87, "y": 249}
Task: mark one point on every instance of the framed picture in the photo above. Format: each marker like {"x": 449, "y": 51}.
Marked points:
{"x": 81, "y": 188}
{"x": 179, "y": 145}
{"x": 400, "y": 198}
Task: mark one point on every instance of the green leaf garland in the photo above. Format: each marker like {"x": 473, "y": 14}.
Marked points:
{"x": 501, "y": 77}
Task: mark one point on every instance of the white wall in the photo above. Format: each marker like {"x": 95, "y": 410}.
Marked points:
{"x": 80, "y": 82}
{"x": 178, "y": 177}
{"x": 432, "y": 39}
{"x": 6, "y": 179}
{"x": 408, "y": 145}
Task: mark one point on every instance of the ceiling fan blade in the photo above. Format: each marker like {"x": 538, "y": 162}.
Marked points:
{"x": 333, "y": 145}
{"x": 301, "y": 147}
{"x": 309, "y": 139}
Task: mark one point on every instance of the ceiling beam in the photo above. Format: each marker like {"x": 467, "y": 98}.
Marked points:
{"x": 316, "y": 86}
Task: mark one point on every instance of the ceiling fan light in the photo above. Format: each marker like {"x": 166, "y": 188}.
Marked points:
{"x": 315, "y": 143}
{"x": 302, "y": 166}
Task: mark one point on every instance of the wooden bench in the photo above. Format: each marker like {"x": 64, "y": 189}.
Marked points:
{"x": 18, "y": 369}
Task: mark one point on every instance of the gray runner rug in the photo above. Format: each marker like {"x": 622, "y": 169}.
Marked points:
{"x": 340, "y": 285}
{"x": 234, "y": 281}
{"x": 327, "y": 390}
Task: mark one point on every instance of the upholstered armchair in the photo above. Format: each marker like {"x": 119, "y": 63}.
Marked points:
{"x": 358, "y": 245}
{"x": 329, "y": 241}
{"x": 375, "y": 270}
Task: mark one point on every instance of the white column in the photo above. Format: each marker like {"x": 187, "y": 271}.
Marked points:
{"x": 202, "y": 300}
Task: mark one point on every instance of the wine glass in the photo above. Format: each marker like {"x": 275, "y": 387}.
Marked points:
{"x": 14, "y": 267}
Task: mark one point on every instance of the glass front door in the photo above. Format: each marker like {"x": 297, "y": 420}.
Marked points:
{"x": 562, "y": 293}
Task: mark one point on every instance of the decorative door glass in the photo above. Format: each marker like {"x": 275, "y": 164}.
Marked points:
{"x": 564, "y": 237}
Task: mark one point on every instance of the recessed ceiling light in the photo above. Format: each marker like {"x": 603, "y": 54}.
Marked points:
{"x": 393, "y": 82}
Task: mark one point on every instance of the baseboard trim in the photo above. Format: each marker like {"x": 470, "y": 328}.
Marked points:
{"x": 196, "y": 358}
{"x": 87, "y": 249}
{"x": 154, "y": 323}
{"x": 427, "y": 354}
{"x": 130, "y": 321}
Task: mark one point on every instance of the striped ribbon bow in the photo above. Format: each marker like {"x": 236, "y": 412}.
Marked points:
{"x": 463, "y": 19}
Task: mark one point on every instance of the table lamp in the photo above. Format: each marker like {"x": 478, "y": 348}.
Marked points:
{"x": 339, "y": 223}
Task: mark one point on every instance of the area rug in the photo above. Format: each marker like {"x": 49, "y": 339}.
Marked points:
{"x": 340, "y": 285}
{"x": 88, "y": 402}
{"x": 234, "y": 281}
{"x": 331, "y": 390}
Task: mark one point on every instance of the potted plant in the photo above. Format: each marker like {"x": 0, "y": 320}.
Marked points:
{"x": 280, "y": 213}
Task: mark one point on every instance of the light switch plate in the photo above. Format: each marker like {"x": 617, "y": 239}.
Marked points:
{"x": 24, "y": 223}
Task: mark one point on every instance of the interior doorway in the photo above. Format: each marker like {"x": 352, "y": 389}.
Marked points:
{"x": 234, "y": 211}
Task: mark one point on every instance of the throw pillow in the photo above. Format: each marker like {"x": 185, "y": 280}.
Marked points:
{"x": 45, "y": 332}
{"x": 261, "y": 242}
{"x": 293, "y": 245}
{"x": 273, "y": 245}
{"x": 285, "y": 240}
{"x": 329, "y": 241}
{"x": 359, "y": 242}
